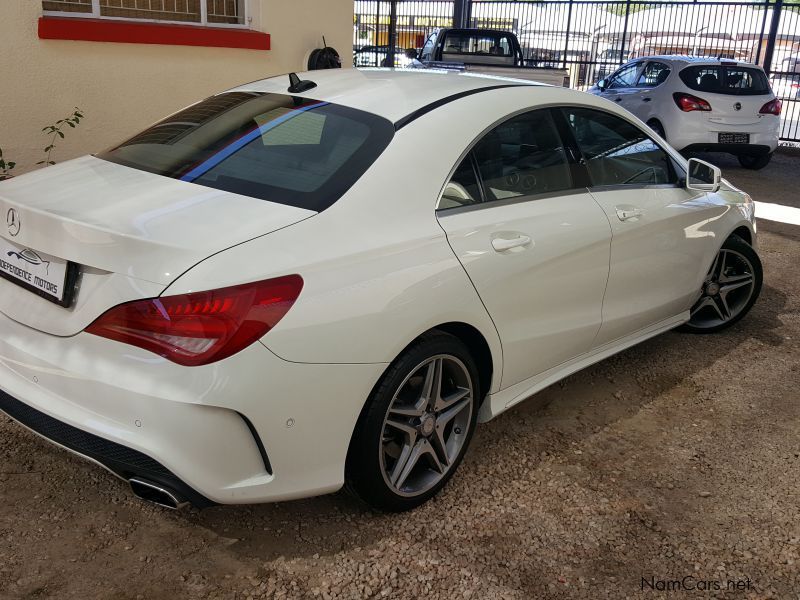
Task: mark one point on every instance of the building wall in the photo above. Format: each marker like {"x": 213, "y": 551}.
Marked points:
{"x": 122, "y": 88}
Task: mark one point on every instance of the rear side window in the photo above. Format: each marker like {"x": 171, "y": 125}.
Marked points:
{"x": 284, "y": 149}
{"x": 523, "y": 156}
{"x": 653, "y": 75}
{"x": 726, "y": 79}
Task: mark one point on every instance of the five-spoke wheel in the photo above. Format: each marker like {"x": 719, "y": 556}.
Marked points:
{"x": 417, "y": 425}
{"x": 730, "y": 288}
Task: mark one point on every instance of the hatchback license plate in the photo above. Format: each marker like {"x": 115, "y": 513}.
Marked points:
{"x": 38, "y": 272}
{"x": 734, "y": 138}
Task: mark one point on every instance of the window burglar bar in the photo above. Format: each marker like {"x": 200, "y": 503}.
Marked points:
{"x": 198, "y": 12}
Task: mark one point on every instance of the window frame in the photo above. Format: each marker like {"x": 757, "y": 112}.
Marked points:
{"x": 675, "y": 167}
{"x": 579, "y": 174}
{"x": 95, "y": 14}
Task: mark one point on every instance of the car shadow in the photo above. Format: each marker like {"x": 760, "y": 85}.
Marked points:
{"x": 549, "y": 423}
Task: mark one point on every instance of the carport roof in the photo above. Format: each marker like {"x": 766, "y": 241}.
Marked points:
{"x": 386, "y": 92}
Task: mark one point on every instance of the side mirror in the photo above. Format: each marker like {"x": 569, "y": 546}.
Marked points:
{"x": 703, "y": 176}
{"x": 602, "y": 85}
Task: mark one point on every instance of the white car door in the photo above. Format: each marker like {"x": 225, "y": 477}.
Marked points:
{"x": 532, "y": 240}
{"x": 644, "y": 98}
{"x": 659, "y": 240}
{"x": 622, "y": 85}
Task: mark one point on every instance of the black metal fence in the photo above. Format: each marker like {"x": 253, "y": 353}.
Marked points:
{"x": 591, "y": 38}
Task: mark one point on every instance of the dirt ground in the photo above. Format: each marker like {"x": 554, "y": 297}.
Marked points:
{"x": 676, "y": 461}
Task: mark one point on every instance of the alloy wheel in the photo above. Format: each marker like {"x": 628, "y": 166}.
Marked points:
{"x": 726, "y": 290}
{"x": 426, "y": 425}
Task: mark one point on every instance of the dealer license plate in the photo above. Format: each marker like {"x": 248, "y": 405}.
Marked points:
{"x": 734, "y": 138}
{"x": 39, "y": 272}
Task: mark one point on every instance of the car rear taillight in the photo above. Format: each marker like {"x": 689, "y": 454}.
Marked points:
{"x": 688, "y": 103}
{"x": 773, "y": 107}
{"x": 201, "y": 327}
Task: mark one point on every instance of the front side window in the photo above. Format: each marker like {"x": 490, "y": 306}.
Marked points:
{"x": 654, "y": 74}
{"x": 617, "y": 152}
{"x": 274, "y": 147}
{"x": 625, "y": 77}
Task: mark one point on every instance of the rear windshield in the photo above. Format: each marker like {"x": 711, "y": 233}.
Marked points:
{"x": 726, "y": 79}
{"x": 284, "y": 149}
{"x": 478, "y": 44}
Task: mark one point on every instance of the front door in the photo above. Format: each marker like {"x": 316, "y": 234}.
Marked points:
{"x": 659, "y": 240}
{"x": 622, "y": 85}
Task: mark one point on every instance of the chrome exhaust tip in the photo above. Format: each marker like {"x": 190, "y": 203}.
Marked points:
{"x": 156, "y": 494}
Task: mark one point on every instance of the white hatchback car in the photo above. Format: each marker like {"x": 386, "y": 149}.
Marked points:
{"x": 270, "y": 294}
{"x": 701, "y": 104}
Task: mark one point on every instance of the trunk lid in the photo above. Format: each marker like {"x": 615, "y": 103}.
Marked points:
{"x": 724, "y": 109}
{"x": 130, "y": 232}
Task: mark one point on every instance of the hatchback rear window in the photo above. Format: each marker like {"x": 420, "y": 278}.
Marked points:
{"x": 284, "y": 149}
{"x": 726, "y": 79}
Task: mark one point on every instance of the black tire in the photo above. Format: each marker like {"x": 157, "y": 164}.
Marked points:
{"x": 735, "y": 244}
{"x": 754, "y": 161}
{"x": 364, "y": 475}
{"x": 656, "y": 126}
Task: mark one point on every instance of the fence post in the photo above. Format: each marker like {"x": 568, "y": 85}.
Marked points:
{"x": 566, "y": 34}
{"x": 773, "y": 34}
{"x": 461, "y": 13}
{"x": 624, "y": 32}
{"x": 392, "y": 34}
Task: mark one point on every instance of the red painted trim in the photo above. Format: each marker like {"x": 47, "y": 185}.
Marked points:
{"x": 108, "y": 30}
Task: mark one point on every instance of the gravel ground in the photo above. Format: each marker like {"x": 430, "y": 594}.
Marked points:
{"x": 680, "y": 457}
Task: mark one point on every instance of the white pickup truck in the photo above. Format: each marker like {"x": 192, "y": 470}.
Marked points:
{"x": 486, "y": 51}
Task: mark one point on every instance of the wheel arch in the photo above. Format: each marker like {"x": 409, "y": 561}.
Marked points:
{"x": 474, "y": 340}
{"x": 743, "y": 231}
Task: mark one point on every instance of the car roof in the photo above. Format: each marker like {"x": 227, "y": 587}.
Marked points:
{"x": 390, "y": 93}
{"x": 697, "y": 60}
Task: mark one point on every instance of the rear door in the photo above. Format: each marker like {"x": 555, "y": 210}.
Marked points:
{"x": 532, "y": 240}
{"x": 659, "y": 243}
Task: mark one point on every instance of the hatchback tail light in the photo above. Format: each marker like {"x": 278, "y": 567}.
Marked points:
{"x": 201, "y": 327}
{"x": 773, "y": 107}
{"x": 688, "y": 103}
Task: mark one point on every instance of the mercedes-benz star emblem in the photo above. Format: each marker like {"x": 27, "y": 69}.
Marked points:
{"x": 738, "y": 106}
{"x": 13, "y": 222}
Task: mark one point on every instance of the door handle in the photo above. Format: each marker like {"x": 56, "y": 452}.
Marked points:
{"x": 626, "y": 213}
{"x": 503, "y": 244}
{"x": 646, "y": 99}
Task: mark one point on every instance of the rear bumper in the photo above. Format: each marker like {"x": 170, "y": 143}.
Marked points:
{"x": 685, "y": 130}
{"x": 120, "y": 460}
{"x": 736, "y": 149}
{"x": 195, "y": 430}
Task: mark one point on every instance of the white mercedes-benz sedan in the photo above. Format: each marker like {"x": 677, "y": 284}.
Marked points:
{"x": 299, "y": 285}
